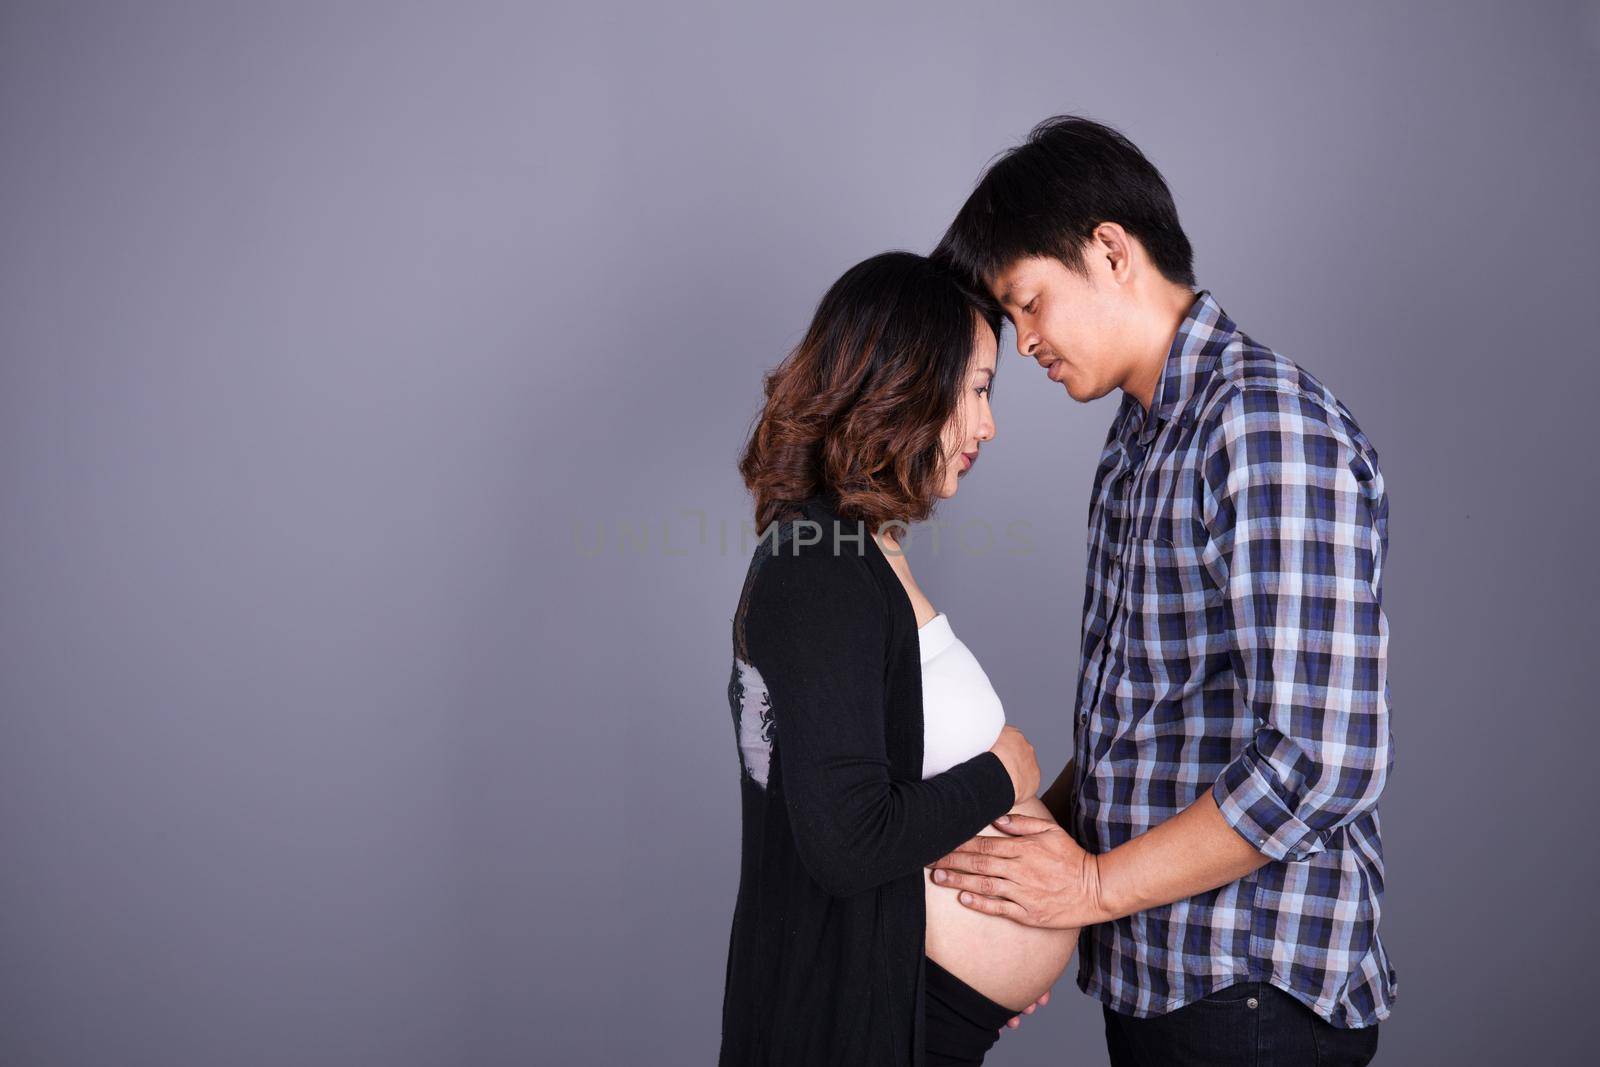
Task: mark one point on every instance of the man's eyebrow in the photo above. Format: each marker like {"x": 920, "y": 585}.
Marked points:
{"x": 1005, "y": 297}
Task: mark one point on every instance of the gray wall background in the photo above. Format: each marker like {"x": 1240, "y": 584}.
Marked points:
{"x": 343, "y": 720}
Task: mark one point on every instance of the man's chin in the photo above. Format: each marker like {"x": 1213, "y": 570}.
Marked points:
{"x": 1085, "y": 394}
{"x": 1075, "y": 388}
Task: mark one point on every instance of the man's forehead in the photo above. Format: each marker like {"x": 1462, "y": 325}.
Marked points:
{"x": 1009, "y": 277}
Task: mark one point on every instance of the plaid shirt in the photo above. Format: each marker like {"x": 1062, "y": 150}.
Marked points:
{"x": 1234, "y": 640}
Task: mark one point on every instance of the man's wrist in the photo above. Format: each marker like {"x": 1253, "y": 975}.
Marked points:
{"x": 1099, "y": 890}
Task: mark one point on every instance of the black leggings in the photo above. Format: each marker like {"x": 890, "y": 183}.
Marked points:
{"x": 961, "y": 1023}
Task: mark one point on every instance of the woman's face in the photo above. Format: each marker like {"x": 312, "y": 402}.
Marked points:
{"x": 972, "y": 423}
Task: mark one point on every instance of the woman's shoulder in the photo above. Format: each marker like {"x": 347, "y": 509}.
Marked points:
{"x": 811, "y": 563}
{"x": 813, "y": 544}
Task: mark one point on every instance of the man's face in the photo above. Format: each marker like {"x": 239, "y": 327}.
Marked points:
{"x": 1074, "y": 325}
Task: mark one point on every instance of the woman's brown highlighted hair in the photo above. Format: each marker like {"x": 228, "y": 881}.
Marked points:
{"x": 856, "y": 411}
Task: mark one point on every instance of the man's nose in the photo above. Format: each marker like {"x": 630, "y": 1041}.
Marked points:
{"x": 1026, "y": 343}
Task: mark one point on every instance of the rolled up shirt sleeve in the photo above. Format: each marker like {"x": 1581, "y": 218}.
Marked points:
{"x": 1297, "y": 515}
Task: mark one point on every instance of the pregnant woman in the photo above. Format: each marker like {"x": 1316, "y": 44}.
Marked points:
{"x": 870, "y": 741}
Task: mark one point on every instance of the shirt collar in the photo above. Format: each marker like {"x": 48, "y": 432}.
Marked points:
{"x": 1202, "y": 335}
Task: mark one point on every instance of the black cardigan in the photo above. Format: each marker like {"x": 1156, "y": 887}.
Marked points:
{"x": 825, "y": 956}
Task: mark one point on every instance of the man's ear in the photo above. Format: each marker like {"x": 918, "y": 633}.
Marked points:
{"x": 1112, "y": 249}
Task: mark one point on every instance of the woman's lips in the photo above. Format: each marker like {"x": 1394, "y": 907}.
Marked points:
{"x": 971, "y": 458}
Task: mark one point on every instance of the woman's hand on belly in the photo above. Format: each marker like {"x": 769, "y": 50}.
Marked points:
{"x": 1007, "y": 962}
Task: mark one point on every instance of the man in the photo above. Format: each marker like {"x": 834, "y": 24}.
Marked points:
{"x": 1232, "y": 733}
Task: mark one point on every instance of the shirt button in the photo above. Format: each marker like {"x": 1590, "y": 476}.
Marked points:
{"x": 1251, "y": 1003}
{"x": 1083, "y": 716}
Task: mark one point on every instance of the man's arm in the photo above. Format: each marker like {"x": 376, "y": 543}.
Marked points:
{"x": 1041, "y": 877}
{"x": 1295, "y": 514}
{"x": 1191, "y": 853}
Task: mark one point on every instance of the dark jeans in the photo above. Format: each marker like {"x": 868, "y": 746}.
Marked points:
{"x": 1251, "y": 1024}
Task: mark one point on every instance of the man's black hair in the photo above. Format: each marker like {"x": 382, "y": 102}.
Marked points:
{"x": 1046, "y": 196}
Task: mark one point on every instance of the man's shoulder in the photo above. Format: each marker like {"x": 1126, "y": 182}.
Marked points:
{"x": 1246, "y": 365}
{"x": 1252, "y": 378}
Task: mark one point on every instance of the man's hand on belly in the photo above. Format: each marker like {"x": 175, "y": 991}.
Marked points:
{"x": 1036, "y": 875}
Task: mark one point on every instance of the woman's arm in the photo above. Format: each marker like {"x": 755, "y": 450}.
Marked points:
{"x": 816, "y": 630}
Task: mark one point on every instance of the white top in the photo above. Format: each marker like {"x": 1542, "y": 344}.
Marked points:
{"x": 961, "y": 713}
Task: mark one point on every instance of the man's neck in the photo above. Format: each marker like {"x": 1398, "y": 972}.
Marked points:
{"x": 1169, "y": 306}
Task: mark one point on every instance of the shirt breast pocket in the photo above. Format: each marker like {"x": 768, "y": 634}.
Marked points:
{"x": 1171, "y": 598}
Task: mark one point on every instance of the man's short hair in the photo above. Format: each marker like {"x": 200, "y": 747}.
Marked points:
{"x": 1046, "y": 196}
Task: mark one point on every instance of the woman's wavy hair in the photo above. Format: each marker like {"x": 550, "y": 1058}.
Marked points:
{"x": 856, "y": 411}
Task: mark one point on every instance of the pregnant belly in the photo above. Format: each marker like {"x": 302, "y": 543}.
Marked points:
{"x": 1006, "y": 962}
